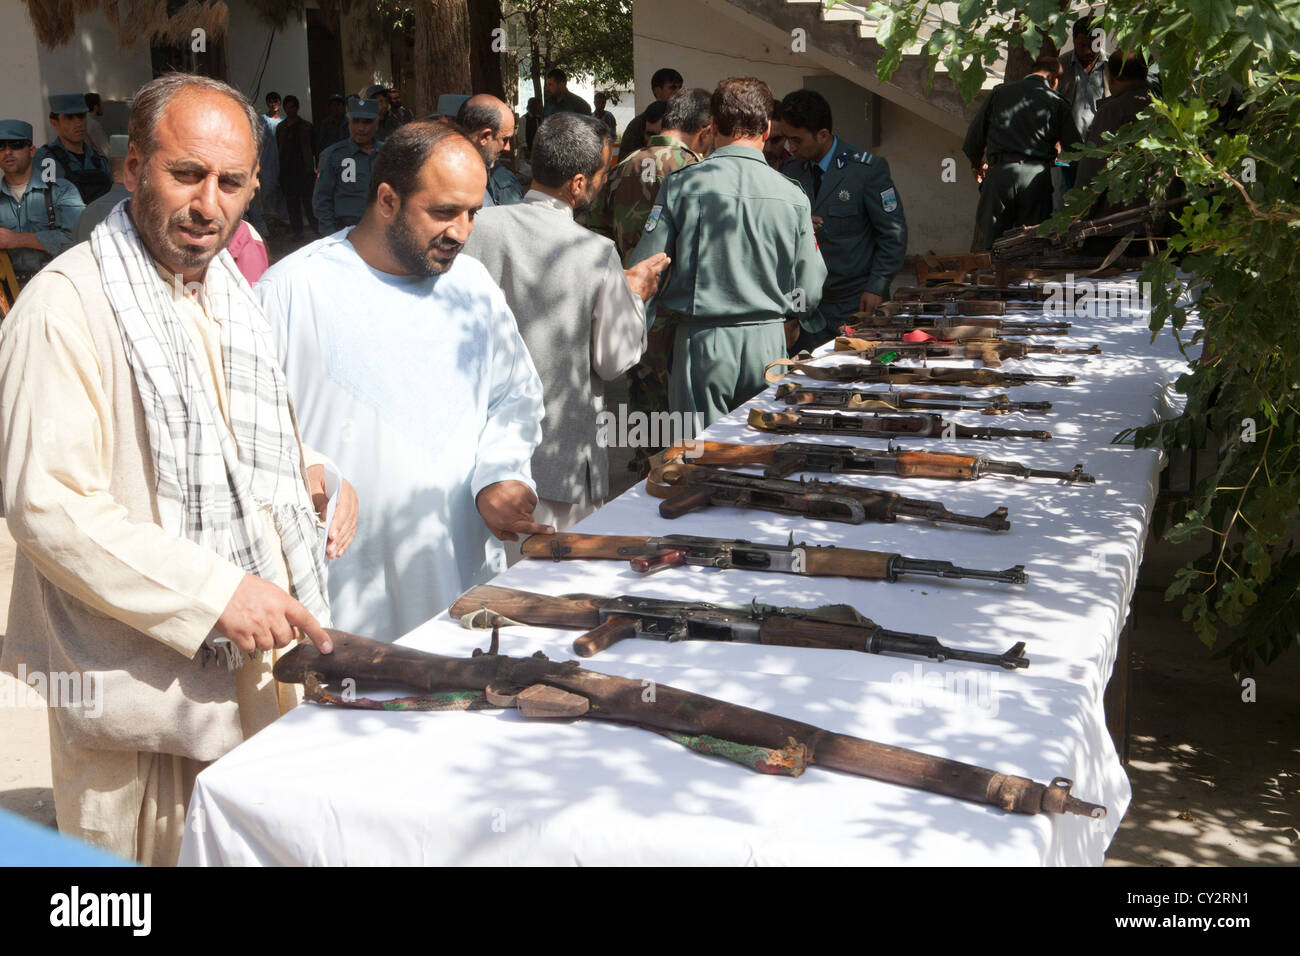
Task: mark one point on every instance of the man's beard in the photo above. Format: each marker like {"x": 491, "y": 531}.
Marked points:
{"x": 414, "y": 258}
{"x": 147, "y": 214}
{"x": 585, "y": 202}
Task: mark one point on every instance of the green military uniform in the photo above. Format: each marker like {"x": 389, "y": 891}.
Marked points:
{"x": 744, "y": 259}
{"x": 339, "y": 198}
{"x": 1018, "y": 127}
{"x": 863, "y": 237}
{"x": 620, "y": 212}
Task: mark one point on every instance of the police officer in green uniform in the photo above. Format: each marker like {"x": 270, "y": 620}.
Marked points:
{"x": 1012, "y": 144}
{"x": 744, "y": 259}
{"x": 69, "y": 155}
{"x": 857, "y": 215}
{"x": 340, "y": 195}
{"x": 36, "y": 217}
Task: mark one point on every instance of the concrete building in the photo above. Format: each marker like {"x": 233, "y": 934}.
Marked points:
{"x": 794, "y": 44}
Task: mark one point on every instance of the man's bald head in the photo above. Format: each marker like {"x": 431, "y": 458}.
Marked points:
{"x": 489, "y": 124}
{"x": 151, "y": 103}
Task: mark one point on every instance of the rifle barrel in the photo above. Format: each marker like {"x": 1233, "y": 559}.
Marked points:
{"x": 946, "y": 569}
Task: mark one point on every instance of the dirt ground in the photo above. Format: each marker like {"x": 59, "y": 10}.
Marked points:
{"x": 1216, "y": 781}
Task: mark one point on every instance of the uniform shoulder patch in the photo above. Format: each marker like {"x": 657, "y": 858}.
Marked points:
{"x": 652, "y": 220}
{"x": 864, "y": 157}
{"x": 889, "y": 199}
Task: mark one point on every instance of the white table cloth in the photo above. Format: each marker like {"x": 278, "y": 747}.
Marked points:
{"x": 332, "y": 786}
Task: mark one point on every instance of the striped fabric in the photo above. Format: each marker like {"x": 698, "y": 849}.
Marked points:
{"x": 211, "y": 480}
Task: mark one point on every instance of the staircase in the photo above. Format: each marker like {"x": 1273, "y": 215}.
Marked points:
{"x": 842, "y": 40}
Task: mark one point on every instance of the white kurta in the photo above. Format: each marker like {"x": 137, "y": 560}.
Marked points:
{"x": 423, "y": 393}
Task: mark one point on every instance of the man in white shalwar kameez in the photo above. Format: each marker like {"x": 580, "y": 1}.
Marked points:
{"x": 407, "y": 367}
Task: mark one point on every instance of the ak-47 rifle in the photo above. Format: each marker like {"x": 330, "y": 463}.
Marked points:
{"x": 940, "y": 334}
{"x": 786, "y": 458}
{"x": 990, "y": 350}
{"x": 881, "y": 426}
{"x": 688, "y": 488}
{"x": 887, "y": 311}
{"x": 955, "y": 292}
{"x": 858, "y": 400}
{"x": 648, "y": 555}
{"x": 868, "y": 372}
{"x": 951, "y": 326}
{"x": 541, "y": 688}
{"x": 608, "y": 620}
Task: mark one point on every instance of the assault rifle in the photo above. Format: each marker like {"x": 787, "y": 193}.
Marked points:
{"x": 953, "y": 325}
{"x": 787, "y": 458}
{"x": 608, "y": 620}
{"x": 939, "y": 334}
{"x": 989, "y": 350}
{"x": 867, "y": 372}
{"x": 856, "y": 400}
{"x": 540, "y": 688}
{"x": 881, "y": 426}
{"x": 963, "y": 291}
{"x": 887, "y": 310}
{"x": 648, "y": 555}
{"x": 688, "y": 488}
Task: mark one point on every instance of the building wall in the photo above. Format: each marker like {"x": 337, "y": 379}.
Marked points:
{"x": 285, "y": 69}
{"x": 89, "y": 62}
{"x": 373, "y": 67}
{"x": 705, "y": 46}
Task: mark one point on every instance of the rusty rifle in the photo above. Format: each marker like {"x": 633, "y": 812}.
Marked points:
{"x": 648, "y": 555}
{"x": 688, "y": 488}
{"x": 875, "y": 425}
{"x": 541, "y": 688}
{"x": 608, "y": 620}
{"x": 865, "y": 400}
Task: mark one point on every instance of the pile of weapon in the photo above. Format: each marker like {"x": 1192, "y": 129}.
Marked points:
{"x": 957, "y": 320}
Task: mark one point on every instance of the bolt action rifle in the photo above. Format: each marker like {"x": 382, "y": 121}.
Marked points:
{"x": 874, "y": 425}
{"x": 688, "y": 488}
{"x": 870, "y": 372}
{"x": 540, "y": 688}
{"x": 987, "y": 349}
{"x": 786, "y": 458}
{"x": 608, "y": 620}
{"x": 861, "y": 400}
{"x": 647, "y": 555}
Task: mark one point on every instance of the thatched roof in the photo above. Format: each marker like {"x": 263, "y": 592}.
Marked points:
{"x": 158, "y": 21}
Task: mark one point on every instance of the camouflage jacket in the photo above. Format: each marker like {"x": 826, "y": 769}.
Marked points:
{"x": 625, "y": 202}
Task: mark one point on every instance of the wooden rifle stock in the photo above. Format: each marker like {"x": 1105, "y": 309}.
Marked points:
{"x": 526, "y": 607}
{"x": 567, "y": 545}
{"x": 511, "y": 680}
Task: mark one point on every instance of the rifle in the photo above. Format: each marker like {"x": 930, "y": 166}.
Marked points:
{"x": 856, "y": 400}
{"x": 867, "y": 372}
{"x": 989, "y": 350}
{"x": 608, "y": 620}
{"x": 954, "y": 292}
{"x": 786, "y": 458}
{"x": 881, "y": 426}
{"x": 955, "y": 325}
{"x": 688, "y": 488}
{"x": 648, "y": 555}
{"x": 539, "y": 688}
{"x": 887, "y": 310}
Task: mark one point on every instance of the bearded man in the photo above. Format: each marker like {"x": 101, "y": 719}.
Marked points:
{"x": 410, "y": 372}
{"x": 164, "y": 508}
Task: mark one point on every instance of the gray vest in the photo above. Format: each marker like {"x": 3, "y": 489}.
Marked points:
{"x": 551, "y": 269}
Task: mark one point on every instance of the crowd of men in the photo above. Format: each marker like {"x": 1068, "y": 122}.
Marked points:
{"x": 240, "y": 456}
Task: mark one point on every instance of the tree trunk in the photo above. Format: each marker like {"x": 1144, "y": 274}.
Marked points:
{"x": 534, "y": 49}
{"x": 485, "y": 62}
{"x": 442, "y": 58}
